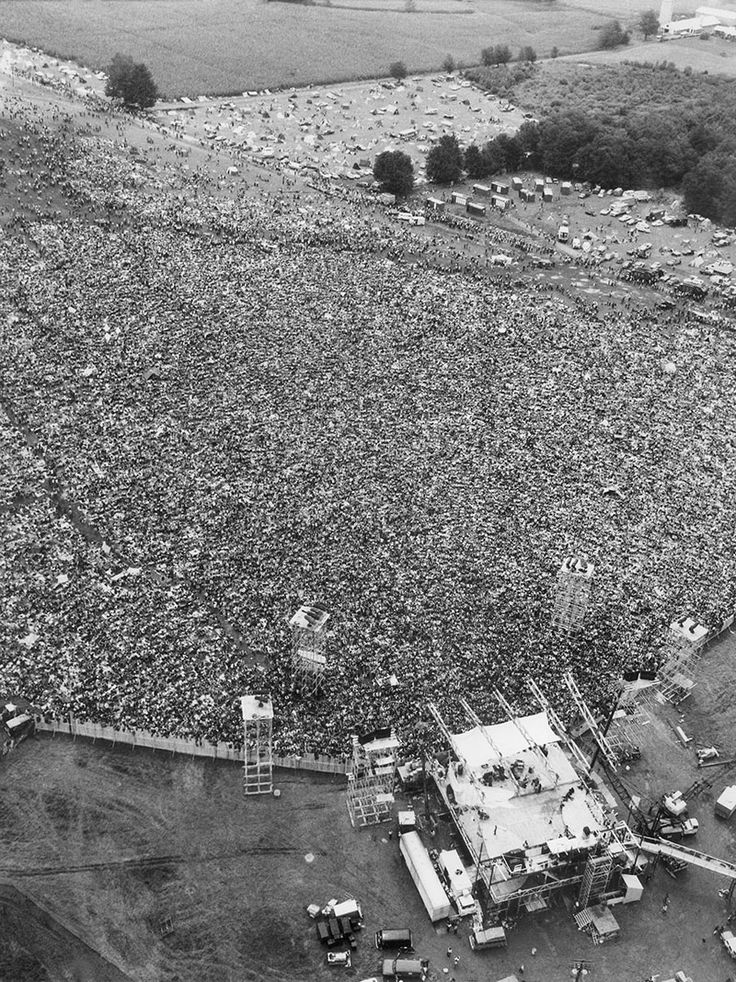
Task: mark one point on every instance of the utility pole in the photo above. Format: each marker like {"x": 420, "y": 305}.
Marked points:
{"x": 580, "y": 969}
{"x": 606, "y": 728}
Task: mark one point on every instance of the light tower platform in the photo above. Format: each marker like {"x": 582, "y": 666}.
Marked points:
{"x": 257, "y": 747}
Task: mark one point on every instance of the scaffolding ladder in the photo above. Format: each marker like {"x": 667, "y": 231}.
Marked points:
{"x": 595, "y": 879}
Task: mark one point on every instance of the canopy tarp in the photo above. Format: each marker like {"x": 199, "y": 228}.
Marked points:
{"x": 474, "y": 748}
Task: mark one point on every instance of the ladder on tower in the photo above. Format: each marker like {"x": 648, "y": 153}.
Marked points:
{"x": 560, "y": 728}
{"x": 595, "y": 879}
{"x": 598, "y": 735}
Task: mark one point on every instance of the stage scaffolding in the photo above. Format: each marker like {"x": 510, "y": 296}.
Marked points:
{"x": 370, "y": 796}
{"x": 683, "y": 648}
{"x": 308, "y": 658}
{"x": 574, "y": 581}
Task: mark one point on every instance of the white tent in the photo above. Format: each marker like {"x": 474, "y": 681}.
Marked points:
{"x": 474, "y": 748}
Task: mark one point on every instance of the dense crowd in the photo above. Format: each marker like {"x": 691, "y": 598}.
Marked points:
{"x": 257, "y": 402}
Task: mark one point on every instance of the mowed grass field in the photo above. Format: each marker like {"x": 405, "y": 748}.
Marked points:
{"x": 715, "y": 56}
{"x": 225, "y": 46}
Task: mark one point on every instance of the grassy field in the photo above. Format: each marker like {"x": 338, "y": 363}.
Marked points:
{"x": 225, "y": 46}
{"x": 715, "y": 56}
{"x": 113, "y": 842}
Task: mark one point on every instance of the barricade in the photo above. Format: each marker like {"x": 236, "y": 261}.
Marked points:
{"x": 319, "y": 763}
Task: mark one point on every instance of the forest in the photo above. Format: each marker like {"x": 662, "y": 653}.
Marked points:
{"x": 630, "y": 126}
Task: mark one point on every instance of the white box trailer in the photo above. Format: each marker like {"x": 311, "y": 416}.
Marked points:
{"x": 458, "y": 881}
{"x": 428, "y": 884}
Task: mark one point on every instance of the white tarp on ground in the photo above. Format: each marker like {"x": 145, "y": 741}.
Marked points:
{"x": 474, "y": 748}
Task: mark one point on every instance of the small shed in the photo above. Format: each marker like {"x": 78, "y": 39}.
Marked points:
{"x": 726, "y": 803}
{"x": 482, "y": 190}
{"x": 566, "y": 188}
{"x": 604, "y": 926}
{"x": 475, "y": 208}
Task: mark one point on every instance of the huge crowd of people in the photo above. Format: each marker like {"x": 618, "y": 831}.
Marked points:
{"x": 217, "y": 408}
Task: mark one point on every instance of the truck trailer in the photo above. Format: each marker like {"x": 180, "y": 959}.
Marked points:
{"x": 426, "y": 880}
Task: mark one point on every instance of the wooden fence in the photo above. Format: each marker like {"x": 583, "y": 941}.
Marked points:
{"x": 319, "y": 763}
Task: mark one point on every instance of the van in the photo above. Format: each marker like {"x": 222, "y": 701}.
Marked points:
{"x": 491, "y": 937}
{"x": 405, "y": 968}
{"x": 394, "y": 938}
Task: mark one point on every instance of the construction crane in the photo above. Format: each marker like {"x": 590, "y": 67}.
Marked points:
{"x": 474, "y": 718}
{"x": 546, "y": 707}
{"x": 598, "y": 735}
{"x": 513, "y": 717}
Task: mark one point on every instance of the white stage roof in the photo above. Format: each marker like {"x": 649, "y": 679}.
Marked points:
{"x": 473, "y": 747}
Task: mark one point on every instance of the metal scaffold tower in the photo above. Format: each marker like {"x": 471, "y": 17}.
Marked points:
{"x": 595, "y": 879}
{"x": 605, "y": 747}
{"x": 370, "y": 796}
{"x": 574, "y": 582}
{"x": 683, "y": 648}
{"x": 257, "y": 748}
{"x": 308, "y": 659}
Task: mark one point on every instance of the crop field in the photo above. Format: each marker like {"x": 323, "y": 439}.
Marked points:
{"x": 226, "y": 46}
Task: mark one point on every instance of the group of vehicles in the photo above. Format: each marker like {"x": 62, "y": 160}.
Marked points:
{"x": 17, "y": 723}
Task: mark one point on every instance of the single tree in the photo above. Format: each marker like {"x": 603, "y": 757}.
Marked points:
{"x": 131, "y": 82}
{"x": 612, "y": 36}
{"x": 495, "y": 159}
{"x": 649, "y": 23}
{"x": 397, "y": 70}
{"x": 445, "y": 161}
{"x": 528, "y": 54}
{"x": 474, "y": 163}
{"x": 502, "y": 54}
{"x": 395, "y": 172}
{"x": 448, "y": 64}
{"x": 554, "y": 53}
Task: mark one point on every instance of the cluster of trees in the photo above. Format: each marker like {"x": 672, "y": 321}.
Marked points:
{"x": 130, "y": 82}
{"x": 626, "y": 125}
{"x": 682, "y": 134}
{"x": 500, "y": 54}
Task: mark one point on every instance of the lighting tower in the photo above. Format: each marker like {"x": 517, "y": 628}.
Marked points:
{"x": 308, "y": 658}
{"x": 574, "y": 581}
{"x": 257, "y": 747}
